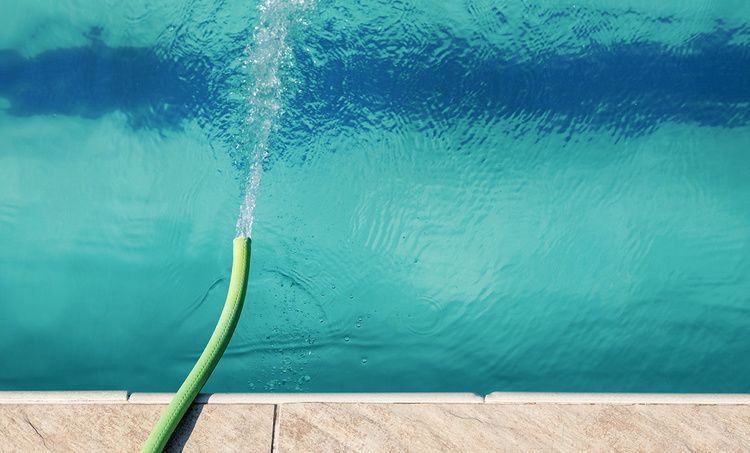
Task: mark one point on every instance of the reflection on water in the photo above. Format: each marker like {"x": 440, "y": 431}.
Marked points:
{"x": 91, "y": 81}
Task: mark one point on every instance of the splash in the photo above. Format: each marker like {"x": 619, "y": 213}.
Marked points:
{"x": 264, "y": 58}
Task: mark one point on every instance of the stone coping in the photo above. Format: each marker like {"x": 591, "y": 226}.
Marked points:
{"x": 115, "y": 397}
{"x": 78, "y": 397}
{"x": 282, "y": 398}
{"x": 618, "y": 398}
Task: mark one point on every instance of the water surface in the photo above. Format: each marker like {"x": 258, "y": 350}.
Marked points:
{"x": 461, "y": 196}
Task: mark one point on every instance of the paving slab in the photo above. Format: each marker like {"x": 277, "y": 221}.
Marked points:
{"x": 85, "y": 397}
{"x": 616, "y": 398}
{"x": 282, "y": 398}
{"x": 110, "y": 421}
{"x": 332, "y": 427}
{"x": 124, "y": 428}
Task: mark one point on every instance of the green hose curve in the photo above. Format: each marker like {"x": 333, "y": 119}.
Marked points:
{"x": 211, "y": 354}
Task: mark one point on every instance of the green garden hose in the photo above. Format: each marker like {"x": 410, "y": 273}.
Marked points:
{"x": 211, "y": 354}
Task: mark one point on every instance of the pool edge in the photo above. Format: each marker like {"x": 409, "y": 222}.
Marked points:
{"x": 124, "y": 397}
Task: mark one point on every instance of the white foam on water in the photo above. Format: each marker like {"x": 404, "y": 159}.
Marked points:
{"x": 264, "y": 58}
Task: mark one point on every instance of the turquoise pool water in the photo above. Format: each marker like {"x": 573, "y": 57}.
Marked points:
{"x": 457, "y": 196}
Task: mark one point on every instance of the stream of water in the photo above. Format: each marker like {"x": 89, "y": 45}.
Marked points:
{"x": 265, "y": 56}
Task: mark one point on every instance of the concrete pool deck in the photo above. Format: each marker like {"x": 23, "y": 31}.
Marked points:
{"x": 116, "y": 421}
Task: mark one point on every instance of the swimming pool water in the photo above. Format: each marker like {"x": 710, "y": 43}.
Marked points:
{"x": 458, "y": 196}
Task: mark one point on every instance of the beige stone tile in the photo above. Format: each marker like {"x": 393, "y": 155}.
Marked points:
{"x": 96, "y": 397}
{"x": 508, "y": 427}
{"x": 617, "y": 398}
{"x": 124, "y": 428}
{"x": 282, "y": 398}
